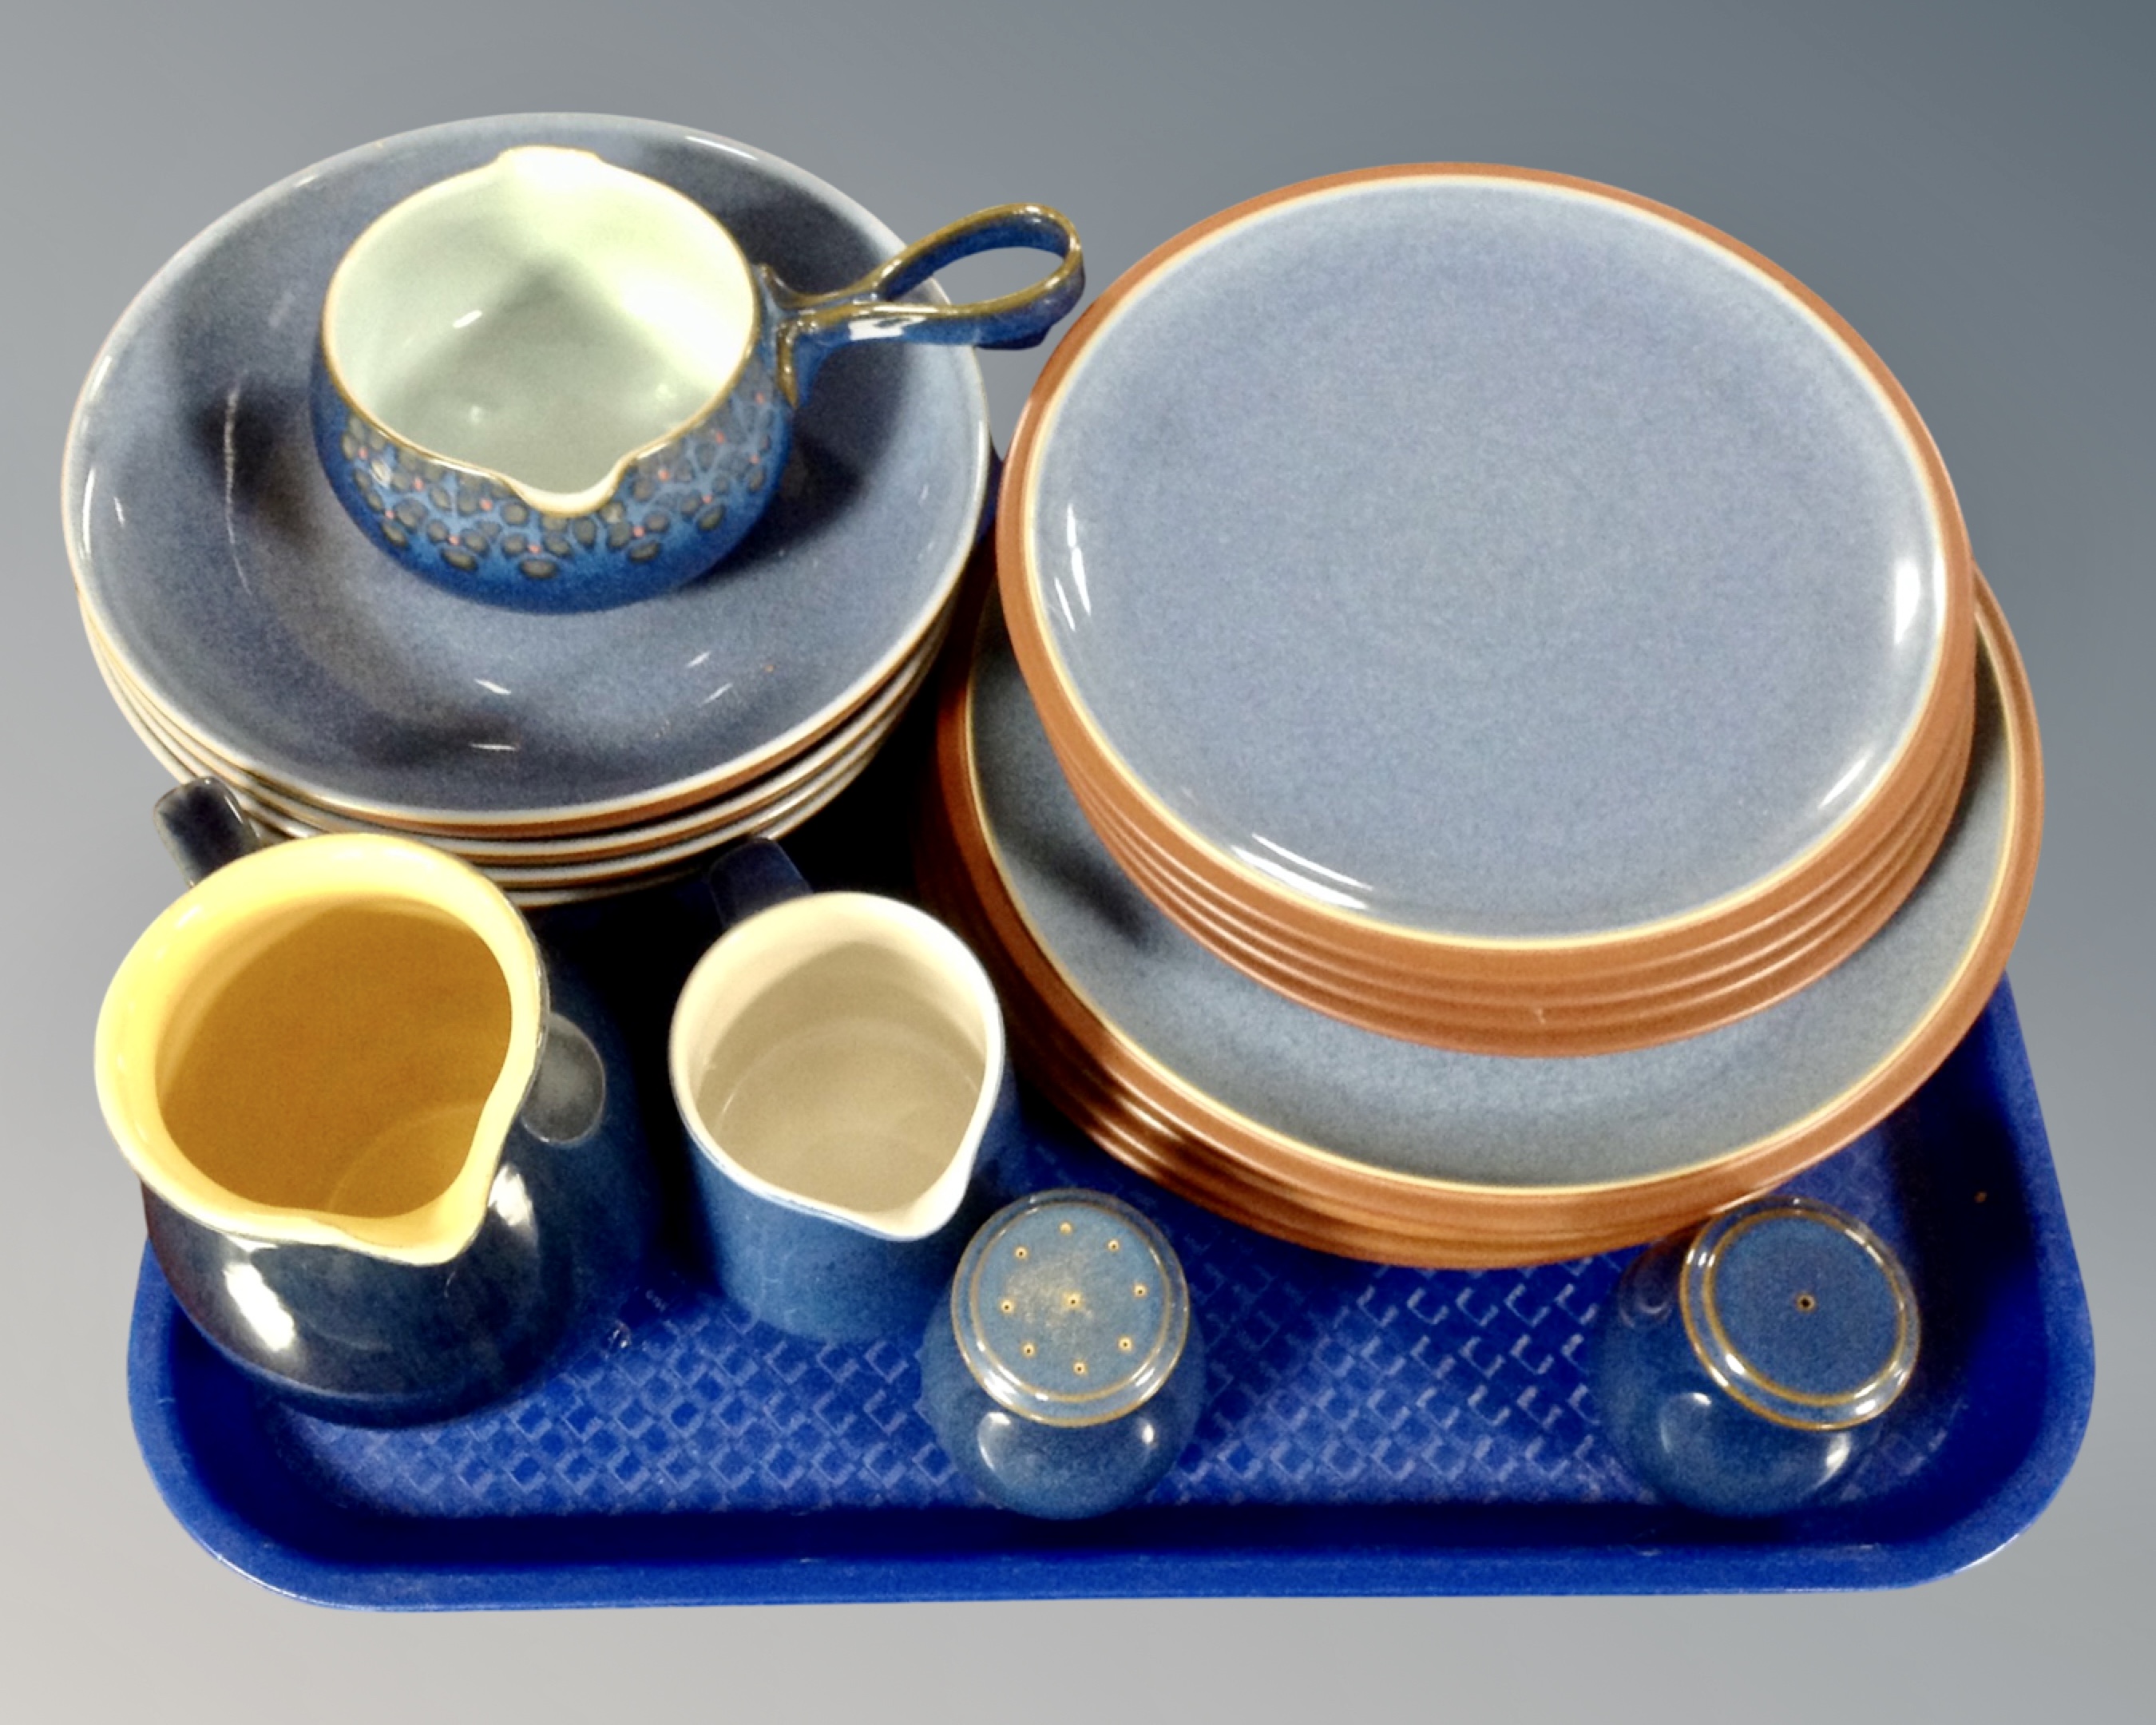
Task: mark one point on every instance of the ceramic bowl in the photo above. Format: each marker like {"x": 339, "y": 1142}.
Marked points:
{"x": 1485, "y": 580}
{"x": 1349, "y": 1140}
{"x": 226, "y": 582}
{"x": 543, "y": 872}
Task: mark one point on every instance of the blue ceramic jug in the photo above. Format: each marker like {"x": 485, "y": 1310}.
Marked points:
{"x": 391, "y": 1162}
{"x": 838, "y": 1059}
{"x": 554, "y": 384}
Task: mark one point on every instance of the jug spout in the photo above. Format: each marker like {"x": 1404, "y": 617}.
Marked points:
{"x": 323, "y": 1043}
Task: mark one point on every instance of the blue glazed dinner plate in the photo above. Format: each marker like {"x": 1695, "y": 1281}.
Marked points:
{"x": 1492, "y": 608}
{"x": 1340, "y": 1137}
{"x": 1483, "y": 554}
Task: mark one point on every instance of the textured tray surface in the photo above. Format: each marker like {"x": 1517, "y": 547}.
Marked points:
{"x": 1371, "y": 1428}
{"x": 1331, "y": 1383}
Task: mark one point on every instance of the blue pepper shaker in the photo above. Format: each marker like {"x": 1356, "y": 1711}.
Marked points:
{"x": 1065, "y": 1374}
{"x": 1742, "y": 1370}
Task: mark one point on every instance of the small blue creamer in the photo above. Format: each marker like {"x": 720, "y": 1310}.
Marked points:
{"x": 554, "y": 384}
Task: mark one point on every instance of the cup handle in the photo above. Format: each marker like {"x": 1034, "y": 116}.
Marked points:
{"x": 753, "y": 875}
{"x": 204, "y": 827}
{"x": 870, "y": 310}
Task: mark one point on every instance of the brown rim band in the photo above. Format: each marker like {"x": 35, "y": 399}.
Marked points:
{"x": 1609, "y": 1019}
{"x": 1322, "y": 1199}
{"x": 1844, "y": 894}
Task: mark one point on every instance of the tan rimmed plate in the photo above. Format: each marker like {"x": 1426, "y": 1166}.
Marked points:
{"x": 1574, "y": 592}
{"x": 1638, "y": 1007}
{"x": 1348, "y": 1141}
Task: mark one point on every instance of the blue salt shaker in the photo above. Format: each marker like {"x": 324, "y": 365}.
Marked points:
{"x": 1742, "y": 1370}
{"x": 1065, "y": 1375}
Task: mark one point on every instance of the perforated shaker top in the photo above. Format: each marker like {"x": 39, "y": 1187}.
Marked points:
{"x": 1801, "y": 1312}
{"x": 1071, "y": 1308}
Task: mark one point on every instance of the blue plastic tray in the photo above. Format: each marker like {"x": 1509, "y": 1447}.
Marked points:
{"x": 1371, "y": 1430}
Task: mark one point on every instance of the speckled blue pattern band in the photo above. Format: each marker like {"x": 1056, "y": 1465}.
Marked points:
{"x": 678, "y": 509}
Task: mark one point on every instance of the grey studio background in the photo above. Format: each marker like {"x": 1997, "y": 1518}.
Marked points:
{"x": 1969, "y": 184}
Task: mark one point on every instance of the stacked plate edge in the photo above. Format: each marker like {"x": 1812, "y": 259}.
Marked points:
{"x": 1350, "y": 1142}
{"x": 545, "y": 870}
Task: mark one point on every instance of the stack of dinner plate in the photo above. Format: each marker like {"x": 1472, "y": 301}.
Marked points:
{"x": 249, "y": 631}
{"x": 1502, "y": 747}
{"x": 1493, "y": 609}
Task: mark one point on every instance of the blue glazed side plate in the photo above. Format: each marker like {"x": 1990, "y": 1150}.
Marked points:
{"x": 1370, "y": 1430}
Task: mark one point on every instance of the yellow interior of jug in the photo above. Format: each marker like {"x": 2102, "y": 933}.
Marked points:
{"x": 326, "y": 1042}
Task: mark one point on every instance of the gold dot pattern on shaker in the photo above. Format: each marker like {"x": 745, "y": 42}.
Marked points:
{"x": 1051, "y": 1320}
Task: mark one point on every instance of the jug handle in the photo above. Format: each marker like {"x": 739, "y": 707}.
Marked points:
{"x": 204, "y": 827}
{"x": 750, "y": 876}
{"x": 870, "y": 310}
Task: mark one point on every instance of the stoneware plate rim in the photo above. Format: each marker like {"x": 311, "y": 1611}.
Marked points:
{"x": 1928, "y": 723}
{"x": 1979, "y": 957}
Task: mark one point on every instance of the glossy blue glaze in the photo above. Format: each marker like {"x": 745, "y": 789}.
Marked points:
{"x": 355, "y": 1338}
{"x": 1743, "y": 1369}
{"x": 203, "y": 828}
{"x": 231, "y": 584}
{"x": 1065, "y": 1372}
{"x": 364, "y": 1341}
{"x": 794, "y": 1263}
{"x": 679, "y": 510}
{"x": 815, "y": 325}
{"x": 813, "y": 1275}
